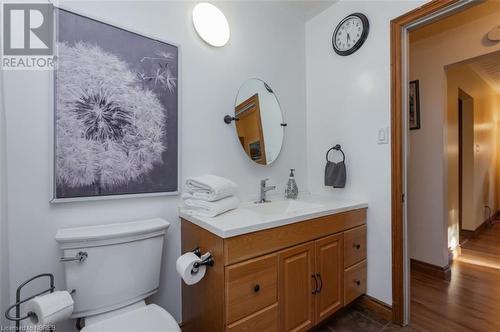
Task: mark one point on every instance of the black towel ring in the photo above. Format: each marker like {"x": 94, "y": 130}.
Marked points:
{"x": 337, "y": 148}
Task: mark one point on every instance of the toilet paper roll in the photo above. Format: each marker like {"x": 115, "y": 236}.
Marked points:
{"x": 185, "y": 265}
{"x": 47, "y": 310}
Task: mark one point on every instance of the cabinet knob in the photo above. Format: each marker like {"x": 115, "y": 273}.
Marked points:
{"x": 357, "y": 246}
{"x": 357, "y": 282}
{"x": 256, "y": 288}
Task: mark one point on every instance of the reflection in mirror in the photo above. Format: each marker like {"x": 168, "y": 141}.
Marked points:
{"x": 260, "y": 121}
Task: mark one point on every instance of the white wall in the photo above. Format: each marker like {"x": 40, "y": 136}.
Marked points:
{"x": 433, "y": 203}
{"x": 4, "y": 266}
{"x": 467, "y": 203}
{"x": 484, "y": 138}
{"x": 348, "y": 100}
{"x": 267, "y": 41}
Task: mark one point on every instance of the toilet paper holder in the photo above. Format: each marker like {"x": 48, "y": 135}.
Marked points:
{"x": 207, "y": 260}
{"x": 18, "y": 303}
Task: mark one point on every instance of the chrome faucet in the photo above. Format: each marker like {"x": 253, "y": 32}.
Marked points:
{"x": 263, "y": 190}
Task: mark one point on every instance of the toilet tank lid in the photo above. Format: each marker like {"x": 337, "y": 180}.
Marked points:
{"x": 111, "y": 231}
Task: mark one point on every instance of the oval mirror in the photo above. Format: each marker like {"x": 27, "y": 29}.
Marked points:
{"x": 259, "y": 122}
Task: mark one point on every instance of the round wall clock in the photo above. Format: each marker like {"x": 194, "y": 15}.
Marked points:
{"x": 350, "y": 34}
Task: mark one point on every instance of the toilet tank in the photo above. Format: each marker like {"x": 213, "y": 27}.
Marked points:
{"x": 122, "y": 266}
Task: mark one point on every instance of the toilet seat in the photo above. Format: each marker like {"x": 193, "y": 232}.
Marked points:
{"x": 150, "y": 318}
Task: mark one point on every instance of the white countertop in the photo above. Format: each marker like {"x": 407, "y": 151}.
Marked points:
{"x": 250, "y": 217}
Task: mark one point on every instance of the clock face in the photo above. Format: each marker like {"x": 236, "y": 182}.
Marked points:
{"x": 350, "y": 34}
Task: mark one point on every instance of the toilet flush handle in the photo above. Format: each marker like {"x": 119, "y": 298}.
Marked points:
{"x": 80, "y": 257}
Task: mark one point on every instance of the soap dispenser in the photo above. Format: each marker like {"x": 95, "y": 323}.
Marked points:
{"x": 291, "y": 191}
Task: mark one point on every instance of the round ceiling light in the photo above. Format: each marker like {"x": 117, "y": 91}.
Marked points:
{"x": 211, "y": 24}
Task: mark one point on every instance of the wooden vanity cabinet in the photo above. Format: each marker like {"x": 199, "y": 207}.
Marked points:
{"x": 288, "y": 278}
{"x": 310, "y": 273}
{"x": 354, "y": 263}
{"x": 330, "y": 274}
{"x": 251, "y": 286}
{"x": 297, "y": 288}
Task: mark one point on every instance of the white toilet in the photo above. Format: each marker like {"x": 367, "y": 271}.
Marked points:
{"x": 112, "y": 269}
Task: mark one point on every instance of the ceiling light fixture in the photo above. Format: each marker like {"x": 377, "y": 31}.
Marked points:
{"x": 211, "y": 24}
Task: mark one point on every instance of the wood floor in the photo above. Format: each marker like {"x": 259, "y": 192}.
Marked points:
{"x": 471, "y": 300}
{"x": 487, "y": 242}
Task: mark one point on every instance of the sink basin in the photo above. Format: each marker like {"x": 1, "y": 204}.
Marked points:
{"x": 282, "y": 207}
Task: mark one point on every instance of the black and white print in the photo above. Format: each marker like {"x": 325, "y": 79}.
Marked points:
{"x": 116, "y": 111}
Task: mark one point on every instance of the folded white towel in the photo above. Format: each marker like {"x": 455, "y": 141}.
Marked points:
{"x": 210, "y": 187}
{"x": 202, "y": 208}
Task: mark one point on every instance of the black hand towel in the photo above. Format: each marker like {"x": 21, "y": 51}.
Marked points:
{"x": 335, "y": 173}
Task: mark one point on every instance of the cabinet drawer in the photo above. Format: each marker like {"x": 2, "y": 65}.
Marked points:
{"x": 354, "y": 282}
{"x": 354, "y": 246}
{"x": 265, "y": 320}
{"x": 250, "y": 286}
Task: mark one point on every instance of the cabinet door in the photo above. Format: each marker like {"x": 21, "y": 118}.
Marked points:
{"x": 296, "y": 275}
{"x": 329, "y": 272}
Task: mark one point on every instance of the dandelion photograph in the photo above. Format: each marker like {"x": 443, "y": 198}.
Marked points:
{"x": 116, "y": 111}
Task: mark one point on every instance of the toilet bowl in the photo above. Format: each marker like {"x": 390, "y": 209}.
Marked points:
{"x": 120, "y": 270}
{"x": 146, "y": 318}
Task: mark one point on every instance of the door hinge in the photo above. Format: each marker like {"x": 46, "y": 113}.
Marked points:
{"x": 403, "y": 197}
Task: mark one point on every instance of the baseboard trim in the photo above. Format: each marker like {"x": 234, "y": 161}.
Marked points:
{"x": 481, "y": 227}
{"x": 440, "y": 272}
{"x": 467, "y": 234}
{"x": 376, "y": 306}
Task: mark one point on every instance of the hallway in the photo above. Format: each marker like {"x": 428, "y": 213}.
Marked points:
{"x": 471, "y": 300}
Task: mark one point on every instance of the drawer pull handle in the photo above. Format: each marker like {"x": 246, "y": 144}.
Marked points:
{"x": 256, "y": 288}
{"x": 315, "y": 290}
{"x": 320, "y": 282}
{"x": 357, "y": 246}
{"x": 357, "y": 282}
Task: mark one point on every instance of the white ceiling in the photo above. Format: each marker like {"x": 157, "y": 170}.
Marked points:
{"x": 311, "y": 8}
{"x": 488, "y": 68}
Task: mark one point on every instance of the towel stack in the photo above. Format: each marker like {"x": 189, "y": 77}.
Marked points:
{"x": 209, "y": 196}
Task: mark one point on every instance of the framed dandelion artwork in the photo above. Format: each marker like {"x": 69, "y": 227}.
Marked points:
{"x": 116, "y": 112}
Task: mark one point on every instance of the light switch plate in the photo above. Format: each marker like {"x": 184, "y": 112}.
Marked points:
{"x": 383, "y": 136}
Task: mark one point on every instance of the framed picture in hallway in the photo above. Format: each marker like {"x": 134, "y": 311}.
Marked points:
{"x": 414, "y": 105}
{"x": 116, "y": 112}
